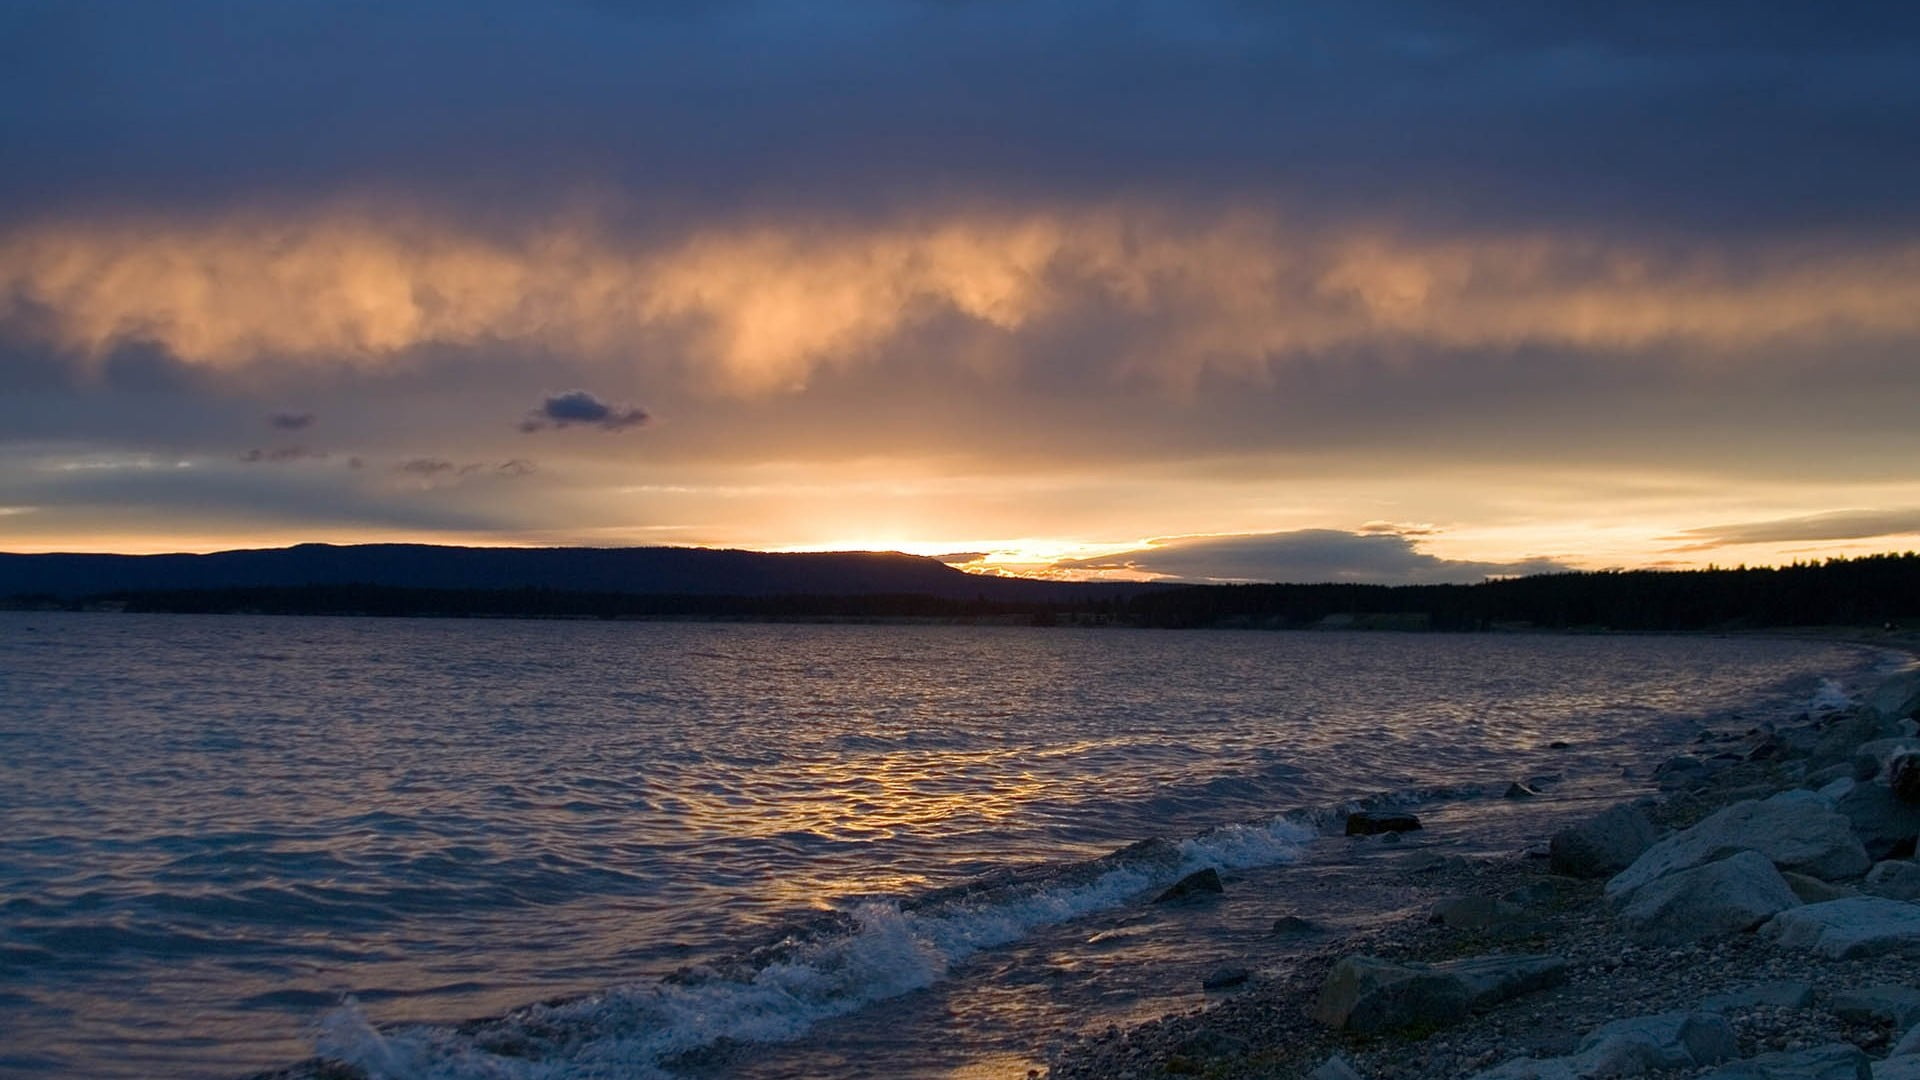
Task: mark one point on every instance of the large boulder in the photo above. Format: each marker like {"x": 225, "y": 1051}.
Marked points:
{"x": 1871, "y": 759}
{"x": 1885, "y": 825}
{"x": 1898, "y": 697}
{"x": 1896, "y": 879}
{"x": 1843, "y": 929}
{"x": 1725, "y": 897}
{"x": 1374, "y": 822}
{"x": 1845, "y": 736}
{"x": 1797, "y": 830}
{"x": 1334, "y": 1068}
{"x": 1675, "y": 1040}
{"x": 1896, "y": 1005}
{"x": 1602, "y": 845}
{"x": 1906, "y": 1067}
{"x": 1367, "y": 994}
{"x": 1834, "y": 1061}
{"x": 1199, "y": 885}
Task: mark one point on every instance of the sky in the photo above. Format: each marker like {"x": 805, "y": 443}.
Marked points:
{"x": 1366, "y": 290}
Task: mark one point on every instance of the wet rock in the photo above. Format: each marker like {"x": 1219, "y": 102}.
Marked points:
{"x": 1835, "y": 1061}
{"x": 1843, "y": 929}
{"x": 1886, "y": 826}
{"x": 1374, "y": 822}
{"x": 1519, "y": 791}
{"x": 1797, "y": 830}
{"x": 1367, "y": 994}
{"x": 1898, "y": 1005}
{"x": 1896, "y": 879}
{"x": 1602, "y": 845}
{"x": 1720, "y": 898}
{"x": 1294, "y": 926}
{"x": 1225, "y": 977}
{"x": 1199, "y": 885}
{"x": 1777, "y": 995}
{"x": 1680, "y": 771}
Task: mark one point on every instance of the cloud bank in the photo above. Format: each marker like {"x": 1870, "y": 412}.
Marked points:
{"x": 1305, "y": 556}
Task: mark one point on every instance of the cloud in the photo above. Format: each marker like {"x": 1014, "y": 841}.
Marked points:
{"x": 572, "y": 407}
{"x": 430, "y": 470}
{"x": 1118, "y": 290}
{"x": 290, "y": 421}
{"x": 281, "y": 455}
{"x": 1834, "y": 525}
{"x": 1305, "y": 556}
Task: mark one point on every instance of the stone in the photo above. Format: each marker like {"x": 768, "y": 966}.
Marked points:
{"x": 1898, "y": 697}
{"x": 1903, "y": 777}
{"x": 1198, "y": 885}
{"x": 1603, "y": 845}
{"x": 1838, "y": 743}
{"x": 1907, "y": 1044}
{"x": 1373, "y": 822}
{"x": 1777, "y": 995}
{"x": 1367, "y": 994}
{"x": 1885, "y": 825}
{"x": 1811, "y": 890}
{"x": 1640, "y": 1044}
{"x": 1334, "y": 1068}
{"x": 1519, "y": 791}
{"x": 1843, "y": 929}
{"x": 1208, "y": 1043}
{"x": 1720, "y": 898}
{"x": 1834, "y": 1061}
{"x": 1476, "y": 913}
{"x": 1225, "y": 977}
{"x": 1898, "y": 1005}
{"x": 1680, "y": 771}
{"x": 1294, "y": 926}
{"x": 1895, "y": 879}
{"x": 1897, "y": 1068}
{"x": 1797, "y": 830}
{"x": 1872, "y": 759}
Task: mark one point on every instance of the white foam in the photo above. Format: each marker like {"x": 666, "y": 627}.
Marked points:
{"x": 1831, "y": 697}
{"x": 631, "y": 1031}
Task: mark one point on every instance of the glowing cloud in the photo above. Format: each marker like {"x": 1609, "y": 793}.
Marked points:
{"x": 756, "y": 308}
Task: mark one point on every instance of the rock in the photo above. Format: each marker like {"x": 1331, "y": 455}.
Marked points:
{"x": 1903, "y": 776}
{"x": 1886, "y": 826}
{"x": 1372, "y": 822}
{"x": 1820, "y": 778}
{"x": 1519, "y": 791}
{"x": 1334, "y": 1068}
{"x": 1897, "y": 1068}
{"x": 1720, "y": 898}
{"x": 1198, "y": 885}
{"x": 1898, "y": 697}
{"x": 1532, "y": 895}
{"x": 1294, "y": 926}
{"x": 1872, "y": 759}
{"x": 1797, "y": 830}
{"x": 1559, "y": 744}
{"x": 1896, "y": 879}
{"x": 1477, "y": 913}
{"x": 1367, "y": 994}
{"x": 1778, "y": 995}
{"x": 1899, "y": 1005}
{"x": 1225, "y": 977}
{"x": 1834, "y": 1061}
{"x": 1208, "y": 1043}
{"x": 1675, "y": 1040}
{"x": 1811, "y": 890}
{"x": 1603, "y": 845}
{"x": 1838, "y": 743}
{"x": 1843, "y": 929}
{"x": 1681, "y": 771}
{"x": 1908, "y": 1044}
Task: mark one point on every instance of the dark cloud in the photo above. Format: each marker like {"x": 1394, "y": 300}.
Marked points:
{"x": 1691, "y": 110}
{"x": 572, "y": 407}
{"x": 961, "y": 558}
{"x": 430, "y": 467}
{"x": 290, "y": 421}
{"x": 1837, "y": 525}
{"x": 426, "y": 467}
{"x": 1307, "y": 556}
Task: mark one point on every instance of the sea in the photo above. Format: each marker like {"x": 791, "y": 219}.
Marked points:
{"x": 439, "y": 848}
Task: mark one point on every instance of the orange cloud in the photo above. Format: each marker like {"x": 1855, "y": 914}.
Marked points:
{"x": 763, "y": 307}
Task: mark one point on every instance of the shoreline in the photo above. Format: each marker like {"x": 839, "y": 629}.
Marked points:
{"x": 1267, "y": 1030}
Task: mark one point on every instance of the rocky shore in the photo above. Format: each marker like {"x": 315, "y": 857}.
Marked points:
{"x": 1759, "y": 918}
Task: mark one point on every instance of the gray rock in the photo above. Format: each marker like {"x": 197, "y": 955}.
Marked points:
{"x": 1843, "y": 929}
{"x": 1208, "y": 1043}
{"x": 1334, "y": 1068}
{"x": 1720, "y": 898}
{"x": 1908, "y": 1044}
{"x": 1294, "y": 926}
{"x": 1899, "y": 1005}
{"x": 1226, "y": 977}
{"x": 1640, "y": 1044}
{"x": 1871, "y": 759}
{"x": 1903, "y": 777}
{"x": 1476, "y": 913}
{"x": 1367, "y": 994}
{"x": 1372, "y": 822}
{"x": 1778, "y": 995}
{"x": 1797, "y": 830}
{"x": 1885, "y": 825}
{"x": 1838, "y": 743}
{"x": 1898, "y": 697}
{"x": 1811, "y": 890}
{"x": 1820, "y": 778}
{"x": 1603, "y": 845}
{"x": 1198, "y": 885}
{"x": 1680, "y": 771}
{"x": 1897, "y": 1068}
{"x": 1896, "y": 879}
{"x": 1834, "y": 1061}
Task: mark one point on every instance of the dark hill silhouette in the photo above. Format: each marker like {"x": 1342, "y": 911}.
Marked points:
{"x": 656, "y": 571}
